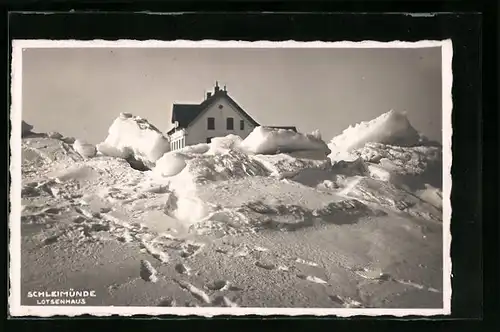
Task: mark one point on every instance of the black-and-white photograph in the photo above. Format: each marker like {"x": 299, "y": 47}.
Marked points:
{"x": 236, "y": 178}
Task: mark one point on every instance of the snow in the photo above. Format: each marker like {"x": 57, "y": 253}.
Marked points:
{"x": 391, "y": 128}
{"x": 379, "y": 173}
{"x": 133, "y": 136}
{"x": 285, "y": 165}
{"x": 172, "y": 163}
{"x": 221, "y": 159}
{"x": 26, "y": 128}
{"x": 68, "y": 140}
{"x": 265, "y": 140}
{"x": 431, "y": 195}
{"x": 55, "y": 135}
{"x": 79, "y": 173}
{"x": 196, "y": 149}
{"x": 234, "y": 218}
{"x": 404, "y": 160}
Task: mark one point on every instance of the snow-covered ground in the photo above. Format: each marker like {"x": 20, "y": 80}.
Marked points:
{"x": 261, "y": 222}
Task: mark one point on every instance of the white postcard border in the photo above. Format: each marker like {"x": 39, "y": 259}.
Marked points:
{"x": 15, "y": 307}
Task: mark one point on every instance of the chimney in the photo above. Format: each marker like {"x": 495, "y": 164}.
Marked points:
{"x": 209, "y": 94}
{"x": 216, "y": 87}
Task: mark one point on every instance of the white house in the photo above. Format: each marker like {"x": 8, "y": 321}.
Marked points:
{"x": 218, "y": 115}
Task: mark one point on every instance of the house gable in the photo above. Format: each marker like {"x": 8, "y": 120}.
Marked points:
{"x": 187, "y": 114}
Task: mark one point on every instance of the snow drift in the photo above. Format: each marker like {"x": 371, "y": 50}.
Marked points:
{"x": 55, "y": 135}
{"x": 265, "y": 140}
{"x": 392, "y": 128}
{"x": 224, "y": 144}
{"x": 226, "y": 157}
{"x": 411, "y": 167}
{"x": 26, "y": 129}
{"x": 133, "y": 136}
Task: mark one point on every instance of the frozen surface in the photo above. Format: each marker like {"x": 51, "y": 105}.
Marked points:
{"x": 392, "y": 128}
{"x": 84, "y": 149}
{"x": 25, "y": 128}
{"x": 217, "y": 225}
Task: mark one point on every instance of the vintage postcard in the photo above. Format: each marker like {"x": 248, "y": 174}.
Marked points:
{"x": 230, "y": 178}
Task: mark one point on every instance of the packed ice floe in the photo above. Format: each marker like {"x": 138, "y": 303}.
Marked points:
{"x": 391, "y": 128}
{"x": 266, "y": 140}
{"x": 211, "y": 221}
{"x": 274, "y": 178}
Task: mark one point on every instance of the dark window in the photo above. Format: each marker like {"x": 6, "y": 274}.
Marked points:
{"x": 210, "y": 123}
{"x": 242, "y": 125}
{"x": 209, "y": 139}
{"x": 220, "y": 107}
{"x": 230, "y": 123}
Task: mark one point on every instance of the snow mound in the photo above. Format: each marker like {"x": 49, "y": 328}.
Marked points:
{"x": 25, "y": 128}
{"x": 391, "y": 128}
{"x": 351, "y": 168}
{"x": 133, "y": 136}
{"x": 285, "y": 165}
{"x": 412, "y": 167}
{"x": 55, "y": 135}
{"x": 432, "y": 196}
{"x": 172, "y": 163}
{"x": 84, "y": 149}
{"x": 41, "y": 154}
{"x": 388, "y": 195}
{"x": 309, "y": 154}
{"x": 331, "y": 177}
{"x": 189, "y": 172}
{"x": 256, "y": 203}
{"x": 219, "y": 160}
{"x": 195, "y": 149}
{"x": 379, "y": 173}
{"x": 405, "y": 160}
{"x": 203, "y": 168}
{"x": 68, "y": 140}
{"x": 81, "y": 173}
{"x": 265, "y": 140}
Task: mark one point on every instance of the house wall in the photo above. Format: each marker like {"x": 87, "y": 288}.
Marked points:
{"x": 197, "y": 132}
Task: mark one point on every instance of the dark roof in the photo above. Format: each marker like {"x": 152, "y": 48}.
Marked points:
{"x": 185, "y": 114}
{"x": 284, "y": 127}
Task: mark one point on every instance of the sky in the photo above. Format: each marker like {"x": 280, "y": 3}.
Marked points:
{"x": 80, "y": 91}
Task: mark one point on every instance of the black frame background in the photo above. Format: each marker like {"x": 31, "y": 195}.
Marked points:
{"x": 472, "y": 26}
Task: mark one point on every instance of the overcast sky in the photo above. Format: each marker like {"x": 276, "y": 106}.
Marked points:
{"x": 80, "y": 91}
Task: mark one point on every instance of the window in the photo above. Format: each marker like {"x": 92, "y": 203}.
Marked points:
{"x": 209, "y": 139}
{"x": 242, "y": 125}
{"x": 230, "y": 123}
{"x": 210, "y": 123}
{"x": 221, "y": 107}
